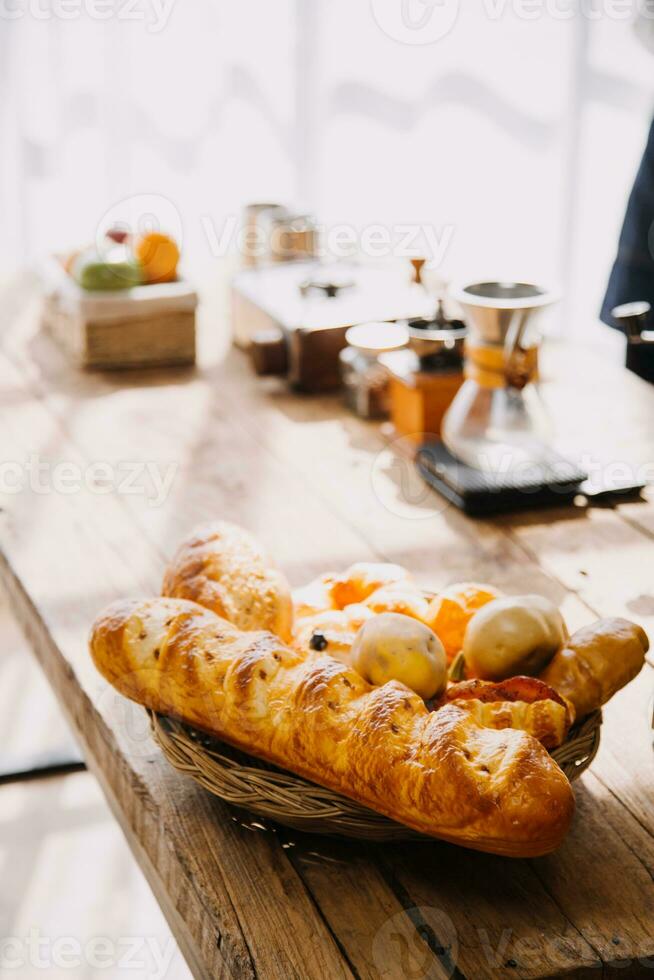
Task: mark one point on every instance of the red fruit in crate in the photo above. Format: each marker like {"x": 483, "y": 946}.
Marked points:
{"x": 118, "y": 235}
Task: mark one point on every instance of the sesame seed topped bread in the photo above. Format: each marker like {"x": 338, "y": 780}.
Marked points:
{"x": 222, "y": 567}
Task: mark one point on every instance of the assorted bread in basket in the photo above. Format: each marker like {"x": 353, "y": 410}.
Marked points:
{"x": 436, "y": 711}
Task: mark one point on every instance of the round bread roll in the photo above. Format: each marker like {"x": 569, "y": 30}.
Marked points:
{"x": 392, "y": 646}
{"x": 511, "y": 636}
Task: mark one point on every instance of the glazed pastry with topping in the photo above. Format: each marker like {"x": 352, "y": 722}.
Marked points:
{"x": 331, "y": 631}
{"x": 313, "y": 598}
{"x": 519, "y": 702}
{"x": 362, "y": 579}
{"x": 401, "y": 597}
{"x": 451, "y": 611}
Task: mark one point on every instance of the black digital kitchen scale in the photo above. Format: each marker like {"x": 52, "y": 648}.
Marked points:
{"x": 553, "y": 483}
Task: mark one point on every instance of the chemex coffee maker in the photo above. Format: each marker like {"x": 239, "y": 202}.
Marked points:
{"x": 495, "y": 453}
{"x": 497, "y": 420}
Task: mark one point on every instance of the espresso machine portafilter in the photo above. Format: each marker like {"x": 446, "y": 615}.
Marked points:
{"x": 634, "y": 320}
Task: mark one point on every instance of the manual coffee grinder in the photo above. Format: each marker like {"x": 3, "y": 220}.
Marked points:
{"x": 495, "y": 452}
{"x": 424, "y": 378}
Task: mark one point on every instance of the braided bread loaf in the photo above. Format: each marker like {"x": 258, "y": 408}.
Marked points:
{"x": 440, "y": 772}
{"x": 224, "y": 568}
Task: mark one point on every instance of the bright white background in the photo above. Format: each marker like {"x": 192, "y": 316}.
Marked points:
{"x": 521, "y": 133}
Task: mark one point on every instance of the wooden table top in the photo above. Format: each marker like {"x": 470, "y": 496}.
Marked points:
{"x": 321, "y": 489}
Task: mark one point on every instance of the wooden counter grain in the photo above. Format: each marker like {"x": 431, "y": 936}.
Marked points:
{"x": 322, "y": 489}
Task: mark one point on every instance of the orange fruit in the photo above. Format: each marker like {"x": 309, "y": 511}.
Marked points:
{"x": 158, "y": 255}
{"x": 451, "y": 611}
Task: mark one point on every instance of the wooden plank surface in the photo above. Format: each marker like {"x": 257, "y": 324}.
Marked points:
{"x": 321, "y": 490}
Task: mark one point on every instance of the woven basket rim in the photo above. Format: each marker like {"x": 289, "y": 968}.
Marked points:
{"x": 276, "y": 794}
{"x": 273, "y": 793}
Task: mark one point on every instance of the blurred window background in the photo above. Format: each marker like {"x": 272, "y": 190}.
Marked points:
{"x": 515, "y": 136}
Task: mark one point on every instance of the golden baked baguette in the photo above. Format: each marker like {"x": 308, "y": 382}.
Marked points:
{"x": 222, "y": 567}
{"x": 596, "y": 662}
{"x": 519, "y": 702}
{"x": 439, "y": 772}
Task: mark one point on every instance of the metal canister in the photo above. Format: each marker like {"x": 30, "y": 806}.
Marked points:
{"x": 255, "y": 247}
{"x": 292, "y": 236}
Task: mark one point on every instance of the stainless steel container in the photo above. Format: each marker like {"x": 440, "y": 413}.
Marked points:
{"x": 437, "y": 338}
{"x": 428, "y": 342}
{"x": 254, "y": 250}
{"x": 496, "y": 311}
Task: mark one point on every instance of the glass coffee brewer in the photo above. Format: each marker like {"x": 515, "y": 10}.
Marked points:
{"x": 497, "y": 422}
{"x": 495, "y": 454}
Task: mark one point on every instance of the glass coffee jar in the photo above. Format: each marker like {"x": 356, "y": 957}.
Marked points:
{"x": 365, "y": 380}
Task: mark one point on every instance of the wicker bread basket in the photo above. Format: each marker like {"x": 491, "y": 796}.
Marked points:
{"x": 269, "y": 792}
